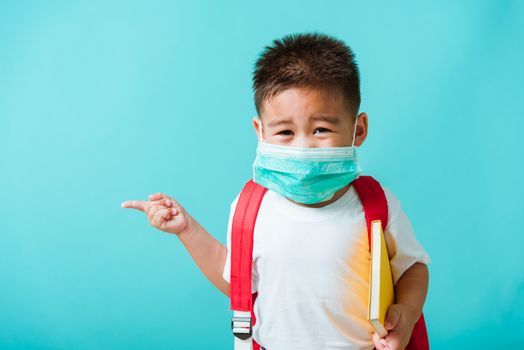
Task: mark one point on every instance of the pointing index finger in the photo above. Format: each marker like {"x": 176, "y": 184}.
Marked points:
{"x": 134, "y": 204}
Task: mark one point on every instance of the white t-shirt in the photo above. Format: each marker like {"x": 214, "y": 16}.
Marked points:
{"x": 311, "y": 269}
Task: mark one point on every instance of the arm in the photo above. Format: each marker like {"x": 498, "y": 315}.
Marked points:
{"x": 208, "y": 253}
{"x": 412, "y": 288}
{"x": 168, "y": 215}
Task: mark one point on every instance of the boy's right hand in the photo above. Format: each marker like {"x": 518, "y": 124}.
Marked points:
{"x": 163, "y": 213}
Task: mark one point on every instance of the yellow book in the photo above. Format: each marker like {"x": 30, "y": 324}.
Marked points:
{"x": 381, "y": 290}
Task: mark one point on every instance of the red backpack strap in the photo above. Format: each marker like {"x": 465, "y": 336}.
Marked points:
{"x": 419, "y": 337}
{"x": 373, "y": 201}
{"x": 242, "y": 229}
{"x": 375, "y": 206}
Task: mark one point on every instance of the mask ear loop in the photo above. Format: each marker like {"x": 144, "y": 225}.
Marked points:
{"x": 260, "y": 131}
{"x": 354, "y": 132}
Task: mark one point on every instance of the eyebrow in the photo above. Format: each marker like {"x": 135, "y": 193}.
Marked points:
{"x": 278, "y": 122}
{"x": 326, "y": 118}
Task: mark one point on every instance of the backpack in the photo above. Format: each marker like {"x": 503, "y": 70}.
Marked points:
{"x": 242, "y": 299}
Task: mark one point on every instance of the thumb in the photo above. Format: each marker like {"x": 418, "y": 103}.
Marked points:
{"x": 134, "y": 204}
{"x": 392, "y": 317}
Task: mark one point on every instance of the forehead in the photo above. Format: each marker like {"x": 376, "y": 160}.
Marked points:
{"x": 302, "y": 103}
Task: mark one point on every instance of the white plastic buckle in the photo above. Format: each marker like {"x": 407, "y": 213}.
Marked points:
{"x": 241, "y": 326}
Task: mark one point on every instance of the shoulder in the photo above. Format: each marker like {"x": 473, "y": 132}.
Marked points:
{"x": 395, "y": 210}
{"x": 237, "y": 196}
{"x": 392, "y": 199}
{"x": 235, "y": 200}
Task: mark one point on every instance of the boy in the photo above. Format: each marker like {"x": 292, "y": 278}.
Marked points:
{"x": 310, "y": 255}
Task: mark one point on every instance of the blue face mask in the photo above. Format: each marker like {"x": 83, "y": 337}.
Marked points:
{"x": 302, "y": 174}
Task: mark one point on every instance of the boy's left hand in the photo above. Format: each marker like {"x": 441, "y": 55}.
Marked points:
{"x": 400, "y": 320}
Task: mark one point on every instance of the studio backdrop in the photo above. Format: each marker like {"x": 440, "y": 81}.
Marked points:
{"x": 106, "y": 101}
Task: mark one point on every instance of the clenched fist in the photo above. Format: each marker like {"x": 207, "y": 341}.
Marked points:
{"x": 163, "y": 213}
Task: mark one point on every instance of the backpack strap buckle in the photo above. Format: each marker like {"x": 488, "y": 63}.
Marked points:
{"x": 241, "y": 325}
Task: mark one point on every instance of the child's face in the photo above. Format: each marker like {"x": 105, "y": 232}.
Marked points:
{"x": 304, "y": 117}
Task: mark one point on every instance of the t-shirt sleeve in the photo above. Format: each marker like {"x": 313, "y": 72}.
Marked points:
{"x": 227, "y": 266}
{"x": 403, "y": 247}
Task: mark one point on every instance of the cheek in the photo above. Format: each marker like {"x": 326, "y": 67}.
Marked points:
{"x": 278, "y": 139}
{"x": 341, "y": 139}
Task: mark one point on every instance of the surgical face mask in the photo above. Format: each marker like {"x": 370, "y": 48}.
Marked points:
{"x": 302, "y": 174}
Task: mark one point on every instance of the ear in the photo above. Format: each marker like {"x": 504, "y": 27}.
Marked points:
{"x": 362, "y": 129}
{"x": 256, "y": 124}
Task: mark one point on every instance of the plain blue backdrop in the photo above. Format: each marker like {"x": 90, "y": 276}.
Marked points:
{"x": 105, "y": 101}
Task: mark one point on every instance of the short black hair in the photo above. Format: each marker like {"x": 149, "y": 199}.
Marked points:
{"x": 311, "y": 59}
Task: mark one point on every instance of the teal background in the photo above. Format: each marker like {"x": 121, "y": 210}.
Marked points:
{"x": 102, "y": 102}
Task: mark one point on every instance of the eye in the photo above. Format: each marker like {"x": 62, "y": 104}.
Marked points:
{"x": 323, "y": 130}
{"x": 285, "y": 133}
